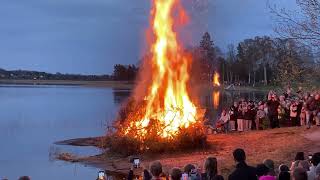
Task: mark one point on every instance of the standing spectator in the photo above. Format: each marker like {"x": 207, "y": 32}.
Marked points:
{"x": 192, "y": 172}
{"x": 211, "y": 170}
{"x": 253, "y": 114}
{"x": 283, "y": 172}
{"x": 303, "y": 115}
{"x": 270, "y": 165}
{"x": 288, "y": 93}
{"x": 246, "y": 117}
{"x": 273, "y": 104}
{"x": 262, "y": 172}
{"x": 310, "y": 108}
{"x": 188, "y": 168}
{"x": 156, "y": 170}
{"x": 294, "y": 113}
{"x": 304, "y": 164}
{"x": 260, "y": 117}
{"x": 284, "y": 176}
{"x": 175, "y": 174}
{"x": 299, "y": 110}
{"x": 282, "y": 101}
{"x": 299, "y": 157}
{"x": 282, "y": 115}
{"x": 317, "y": 173}
{"x": 300, "y": 92}
{"x": 145, "y": 174}
{"x": 315, "y": 161}
{"x": 299, "y": 174}
{"x": 317, "y": 108}
{"x": 242, "y": 171}
{"x": 233, "y": 116}
{"x": 240, "y": 120}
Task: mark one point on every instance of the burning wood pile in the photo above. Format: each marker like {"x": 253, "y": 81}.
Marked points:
{"x": 166, "y": 118}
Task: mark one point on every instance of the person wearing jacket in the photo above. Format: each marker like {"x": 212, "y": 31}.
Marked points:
{"x": 273, "y": 104}
{"x": 233, "y": 112}
{"x": 242, "y": 171}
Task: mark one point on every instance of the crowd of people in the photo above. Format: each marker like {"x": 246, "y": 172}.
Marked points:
{"x": 287, "y": 109}
{"x": 300, "y": 169}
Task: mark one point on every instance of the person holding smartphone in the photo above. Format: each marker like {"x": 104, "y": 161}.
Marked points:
{"x": 102, "y": 175}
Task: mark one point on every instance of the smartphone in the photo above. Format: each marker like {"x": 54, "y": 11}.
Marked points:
{"x": 136, "y": 163}
{"x": 101, "y": 175}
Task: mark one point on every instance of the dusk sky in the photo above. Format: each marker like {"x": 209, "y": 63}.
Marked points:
{"x": 90, "y": 36}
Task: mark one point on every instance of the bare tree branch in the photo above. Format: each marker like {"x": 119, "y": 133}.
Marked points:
{"x": 302, "y": 26}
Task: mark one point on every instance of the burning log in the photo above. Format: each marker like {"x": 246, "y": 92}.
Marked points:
{"x": 128, "y": 142}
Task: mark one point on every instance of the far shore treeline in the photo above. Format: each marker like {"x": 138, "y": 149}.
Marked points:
{"x": 121, "y": 73}
{"x": 291, "y": 56}
{"x": 253, "y": 62}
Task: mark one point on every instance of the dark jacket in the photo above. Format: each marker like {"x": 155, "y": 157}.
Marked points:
{"x": 243, "y": 172}
{"x": 247, "y": 115}
{"x": 146, "y": 175}
{"x": 204, "y": 176}
{"x": 233, "y": 113}
{"x": 273, "y": 107}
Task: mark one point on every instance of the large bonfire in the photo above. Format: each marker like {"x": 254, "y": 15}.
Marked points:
{"x": 165, "y": 118}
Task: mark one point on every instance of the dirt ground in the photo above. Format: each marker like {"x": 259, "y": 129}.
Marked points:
{"x": 280, "y": 145}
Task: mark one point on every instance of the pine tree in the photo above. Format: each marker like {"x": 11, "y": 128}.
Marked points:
{"x": 208, "y": 57}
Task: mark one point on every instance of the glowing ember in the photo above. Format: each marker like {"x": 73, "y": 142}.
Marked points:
{"x": 216, "y": 78}
{"x": 167, "y": 104}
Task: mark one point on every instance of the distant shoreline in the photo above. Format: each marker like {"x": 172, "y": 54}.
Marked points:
{"x": 109, "y": 84}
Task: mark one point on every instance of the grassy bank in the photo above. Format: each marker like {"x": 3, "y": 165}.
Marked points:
{"x": 111, "y": 84}
{"x": 279, "y": 145}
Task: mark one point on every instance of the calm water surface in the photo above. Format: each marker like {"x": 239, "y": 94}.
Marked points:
{"x": 32, "y": 118}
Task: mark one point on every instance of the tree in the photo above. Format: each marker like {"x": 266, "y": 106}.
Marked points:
{"x": 289, "y": 66}
{"x": 231, "y": 59}
{"x": 125, "y": 73}
{"x": 247, "y": 54}
{"x": 302, "y": 26}
{"x": 266, "y": 54}
{"x": 207, "y": 56}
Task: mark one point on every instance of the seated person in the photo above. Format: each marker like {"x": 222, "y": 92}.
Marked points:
{"x": 223, "y": 121}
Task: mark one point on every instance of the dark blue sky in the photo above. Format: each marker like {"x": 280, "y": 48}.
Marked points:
{"x": 90, "y": 36}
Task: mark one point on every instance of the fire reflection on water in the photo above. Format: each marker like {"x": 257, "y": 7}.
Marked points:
{"x": 216, "y": 99}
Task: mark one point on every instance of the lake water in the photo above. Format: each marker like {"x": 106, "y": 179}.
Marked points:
{"x": 32, "y": 118}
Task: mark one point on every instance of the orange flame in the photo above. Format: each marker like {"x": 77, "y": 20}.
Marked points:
{"x": 216, "y": 78}
{"x": 216, "y": 99}
{"x": 167, "y": 99}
